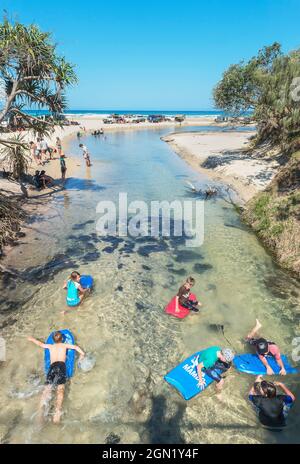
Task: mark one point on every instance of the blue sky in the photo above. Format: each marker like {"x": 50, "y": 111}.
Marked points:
{"x": 165, "y": 54}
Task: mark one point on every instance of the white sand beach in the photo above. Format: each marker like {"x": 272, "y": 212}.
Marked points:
{"x": 225, "y": 157}
{"x": 86, "y": 125}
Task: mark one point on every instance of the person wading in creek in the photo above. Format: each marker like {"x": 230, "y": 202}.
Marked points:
{"x": 63, "y": 166}
{"x": 86, "y": 155}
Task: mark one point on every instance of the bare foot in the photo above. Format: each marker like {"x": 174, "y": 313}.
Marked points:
{"x": 56, "y": 417}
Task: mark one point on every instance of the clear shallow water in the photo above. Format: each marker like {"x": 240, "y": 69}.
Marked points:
{"x": 123, "y": 324}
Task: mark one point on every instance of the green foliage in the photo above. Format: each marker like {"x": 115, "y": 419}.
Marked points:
{"x": 261, "y": 205}
{"x": 269, "y": 85}
{"x": 277, "y": 230}
{"x": 34, "y": 75}
{"x": 15, "y": 155}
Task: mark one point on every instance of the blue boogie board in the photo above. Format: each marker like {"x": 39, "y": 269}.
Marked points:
{"x": 70, "y": 361}
{"x": 251, "y": 364}
{"x": 185, "y": 377}
{"x": 86, "y": 281}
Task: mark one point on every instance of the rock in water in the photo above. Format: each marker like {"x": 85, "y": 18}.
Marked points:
{"x": 112, "y": 439}
{"x": 87, "y": 363}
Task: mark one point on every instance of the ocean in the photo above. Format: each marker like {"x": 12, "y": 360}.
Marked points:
{"x": 107, "y": 112}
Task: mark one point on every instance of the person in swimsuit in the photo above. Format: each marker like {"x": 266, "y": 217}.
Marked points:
{"x": 75, "y": 292}
{"x": 58, "y": 146}
{"x": 57, "y": 374}
{"x": 183, "y": 296}
{"x": 35, "y": 152}
{"x": 265, "y": 348}
{"x": 86, "y": 155}
{"x": 63, "y": 166}
{"x": 271, "y": 407}
{"x": 211, "y": 361}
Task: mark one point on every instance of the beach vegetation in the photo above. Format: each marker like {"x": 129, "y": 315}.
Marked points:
{"x": 275, "y": 216}
{"x": 268, "y": 86}
{"x": 33, "y": 74}
{"x": 15, "y": 156}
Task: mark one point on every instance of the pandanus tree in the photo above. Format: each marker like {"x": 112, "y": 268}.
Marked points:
{"x": 32, "y": 76}
{"x": 269, "y": 86}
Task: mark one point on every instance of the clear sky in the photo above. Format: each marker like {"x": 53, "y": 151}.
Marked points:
{"x": 158, "y": 54}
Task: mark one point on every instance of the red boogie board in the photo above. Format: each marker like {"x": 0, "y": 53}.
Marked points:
{"x": 183, "y": 312}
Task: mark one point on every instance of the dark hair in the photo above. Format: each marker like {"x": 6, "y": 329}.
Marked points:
{"x": 43, "y": 172}
{"x": 74, "y": 275}
{"x": 262, "y": 346}
{"x": 190, "y": 280}
{"x": 257, "y": 386}
{"x": 268, "y": 388}
{"x": 58, "y": 337}
{"x": 81, "y": 145}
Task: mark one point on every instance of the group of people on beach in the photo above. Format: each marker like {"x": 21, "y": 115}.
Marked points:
{"x": 42, "y": 153}
{"x": 271, "y": 400}
{"x": 271, "y": 406}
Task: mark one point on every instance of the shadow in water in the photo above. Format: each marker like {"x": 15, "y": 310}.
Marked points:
{"x": 163, "y": 430}
{"x": 73, "y": 183}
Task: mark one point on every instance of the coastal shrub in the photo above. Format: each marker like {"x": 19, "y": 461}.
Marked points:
{"x": 261, "y": 205}
{"x": 11, "y": 216}
{"x": 34, "y": 76}
{"x": 267, "y": 86}
{"x": 276, "y": 230}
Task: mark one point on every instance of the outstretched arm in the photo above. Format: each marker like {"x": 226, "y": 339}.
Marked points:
{"x": 38, "y": 343}
{"x": 267, "y": 366}
{"x": 82, "y": 290}
{"x": 280, "y": 364}
{"x": 286, "y": 390}
{"x": 200, "y": 375}
{"x": 257, "y": 380}
{"x": 76, "y": 348}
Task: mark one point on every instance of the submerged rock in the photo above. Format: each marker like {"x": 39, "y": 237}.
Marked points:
{"x": 112, "y": 439}
{"x": 109, "y": 249}
{"x": 146, "y": 268}
{"x": 202, "y": 267}
{"x": 184, "y": 256}
{"x": 146, "y": 250}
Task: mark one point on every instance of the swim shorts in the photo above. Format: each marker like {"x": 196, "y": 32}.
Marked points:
{"x": 57, "y": 374}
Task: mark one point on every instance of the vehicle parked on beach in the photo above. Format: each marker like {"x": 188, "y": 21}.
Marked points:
{"x": 221, "y": 119}
{"x": 156, "y": 118}
{"x": 179, "y": 118}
